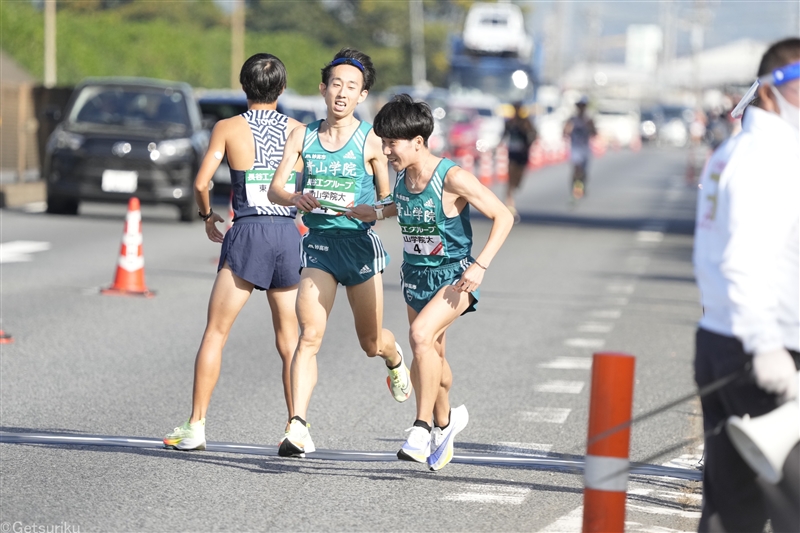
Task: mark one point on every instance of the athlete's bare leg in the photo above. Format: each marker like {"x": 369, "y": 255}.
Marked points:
{"x": 366, "y": 302}
{"x": 430, "y": 373}
{"x": 228, "y": 296}
{"x": 315, "y": 297}
{"x": 515, "y": 172}
{"x": 284, "y": 322}
{"x": 441, "y": 409}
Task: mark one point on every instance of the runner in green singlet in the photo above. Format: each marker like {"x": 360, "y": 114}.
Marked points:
{"x": 440, "y": 277}
{"x": 344, "y": 167}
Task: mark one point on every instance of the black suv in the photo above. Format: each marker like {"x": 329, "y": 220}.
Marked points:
{"x": 124, "y": 137}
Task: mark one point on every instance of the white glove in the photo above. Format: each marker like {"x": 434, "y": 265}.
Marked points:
{"x": 775, "y": 372}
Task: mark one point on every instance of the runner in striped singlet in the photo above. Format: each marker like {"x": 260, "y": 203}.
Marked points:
{"x": 440, "y": 278}
{"x": 344, "y": 167}
{"x": 260, "y": 250}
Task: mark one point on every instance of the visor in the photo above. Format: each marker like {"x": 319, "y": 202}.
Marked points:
{"x": 776, "y": 78}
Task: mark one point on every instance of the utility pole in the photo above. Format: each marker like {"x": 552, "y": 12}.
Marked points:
{"x": 416, "y": 19}
{"x": 237, "y": 42}
{"x": 49, "y": 43}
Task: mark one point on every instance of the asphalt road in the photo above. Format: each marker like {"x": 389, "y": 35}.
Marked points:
{"x": 610, "y": 273}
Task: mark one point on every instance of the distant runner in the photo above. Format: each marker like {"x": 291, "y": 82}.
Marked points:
{"x": 580, "y": 129}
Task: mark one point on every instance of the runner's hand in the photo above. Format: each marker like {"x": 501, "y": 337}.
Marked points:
{"x": 471, "y": 279}
{"x": 363, "y": 212}
{"x": 775, "y": 372}
{"x": 211, "y": 228}
{"x": 306, "y": 202}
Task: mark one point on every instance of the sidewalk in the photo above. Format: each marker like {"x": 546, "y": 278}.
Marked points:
{"x": 15, "y": 192}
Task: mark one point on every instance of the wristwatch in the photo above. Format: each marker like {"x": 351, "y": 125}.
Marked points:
{"x": 379, "y": 211}
{"x": 206, "y": 217}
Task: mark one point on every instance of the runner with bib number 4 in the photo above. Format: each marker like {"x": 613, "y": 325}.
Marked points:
{"x": 440, "y": 279}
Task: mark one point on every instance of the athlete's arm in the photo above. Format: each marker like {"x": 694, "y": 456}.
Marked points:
{"x": 210, "y": 164}
{"x": 461, "y": 184}
{"x": 291, "y": 158}
{"x": 379, "y": 163}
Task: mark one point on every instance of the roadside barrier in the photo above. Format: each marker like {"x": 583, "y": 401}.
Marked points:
{"x": 485, "y": 168}
{"x": 501, "y": 163}
{"x": 607, "y": 462}
{"x": 129, "y": 279}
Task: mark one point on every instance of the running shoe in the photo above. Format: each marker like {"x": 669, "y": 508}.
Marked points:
{"x": 399, "y": 380}
{"x": 442, "y": 439}
{"x": 578, "y": 190}
{"x": 417, "y": 447}
{"x": 297, "y": 441}
{"x": 187, "y": 437}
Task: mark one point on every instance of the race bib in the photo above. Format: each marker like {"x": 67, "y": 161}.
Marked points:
{"x": 337, "y": 194}
{"x": 422, "y": 240}
{"x": 256, "y": 185}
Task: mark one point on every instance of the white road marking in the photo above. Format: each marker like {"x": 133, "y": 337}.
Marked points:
{"x": 571, "y": 522}
{"x": 560, "y": 387}
{"x": 595, "y": 327}
{"x": 686, "y": 460}
{"x": 20, "y": 251}
{"x": 649, "y": 236}
{"x": 35, "y": 207}
{"x": 666, "y": 494}
{"x": 585, "y": 343}
{"x": 569, "y": 363}
{"x": 621, "y": 288}
{"x": 549, "y": 415}
{"x": 490, "y": 494}
{"x": 529, "y": 448}
{"x": 641, "y": 528}
{"x": 652, "y": 509}
{"x": 606, "y": 313}
{"x": 615, "y": 300}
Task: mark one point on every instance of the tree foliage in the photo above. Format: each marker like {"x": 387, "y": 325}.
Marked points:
{"x": 190, "y": 40}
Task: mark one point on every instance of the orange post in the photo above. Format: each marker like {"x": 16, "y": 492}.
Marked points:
{"x": 129, "y": 280}
{"x": 485, "y": 168}
{"x": 5, "y": 338}
{"x": 607, "y": 463}
{"x": 501, "y": 163}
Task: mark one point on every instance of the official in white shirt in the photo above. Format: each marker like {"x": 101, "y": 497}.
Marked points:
{"x": 746, "y": 265}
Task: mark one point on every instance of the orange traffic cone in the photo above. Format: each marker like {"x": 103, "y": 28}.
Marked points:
{"x": 501, "y": 163}
{"x": 129, "y": 280}
{"x": 485, "y": 168}
{"x": 5, "y": 338}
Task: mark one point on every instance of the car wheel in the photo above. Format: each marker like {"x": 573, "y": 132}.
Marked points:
{"x": 187, "y": 212}
{"x": 62, "y": 206}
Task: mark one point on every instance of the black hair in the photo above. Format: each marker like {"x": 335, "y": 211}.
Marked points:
{"x": 403, "y": 118}
{"x": 345, "y": 54}
{"x": 263, "y": 78}
{"x": 779, "y": 55}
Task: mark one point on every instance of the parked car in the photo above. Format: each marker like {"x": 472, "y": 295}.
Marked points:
{"x": 649, "y": 123}
{"x": 123, "y": 137}
{"x": 675, "y": 128}
{"x": 484, "y": 112}
{"x": 437, "y": 98}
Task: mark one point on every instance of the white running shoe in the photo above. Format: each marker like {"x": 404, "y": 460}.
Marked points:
{"x": 187, "y": 436}
{"x": 417, "y": 447}
{"x": 296, "y": 442}
{"x": 399, "y": 380}
{"x": 441, "y": 451}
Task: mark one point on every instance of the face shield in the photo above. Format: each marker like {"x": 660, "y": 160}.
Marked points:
{"x": 776, "y": 78}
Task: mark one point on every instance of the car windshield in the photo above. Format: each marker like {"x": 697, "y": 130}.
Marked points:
{"x": 144, "y": 107}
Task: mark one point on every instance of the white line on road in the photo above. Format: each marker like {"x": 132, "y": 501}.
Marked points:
{"x": 585, "y": 343}
{"x": 549, "y": 415}
{"x": 571, "y": 522}
{"x": 528, "y": 448}
{"x": 595, "y": 327}
{"x": 649, "y": 236}
{"x": 651, "y": 509}
{"x": 569, "y": 363}
{"x": 490, "y": 494}
{"x": 621, "y": 288}
{"x": 20, "y": 251}
{"x": 560, "y": 387}
{"x": 606, "y": 313}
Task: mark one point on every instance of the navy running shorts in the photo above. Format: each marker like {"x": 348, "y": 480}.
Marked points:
{"x": 262, "y": 250}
